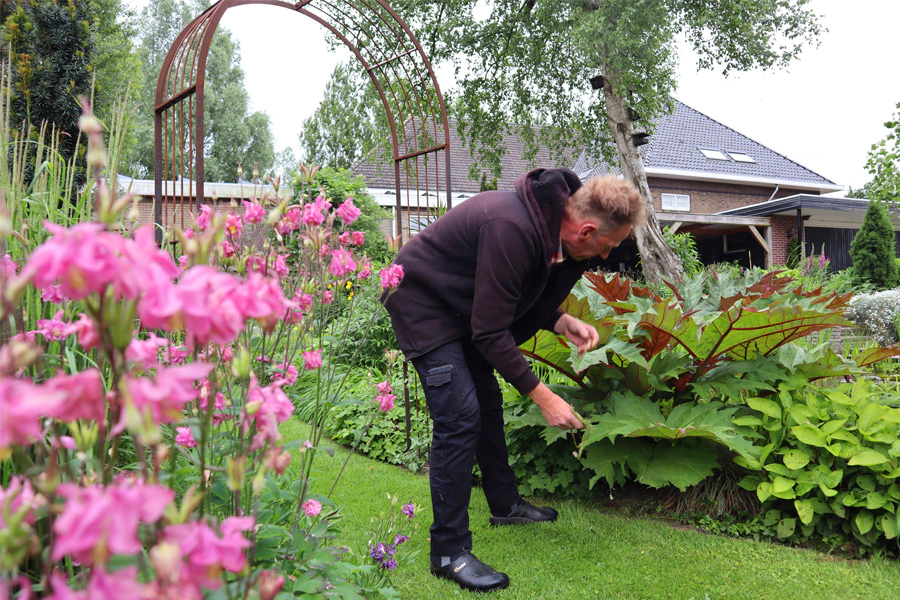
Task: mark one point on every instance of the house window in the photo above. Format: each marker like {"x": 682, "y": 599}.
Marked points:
{"x": 680, "y": 202}
{"x": 713, "y": 154}
{"x": 733, "y": 243}
{"x": 741, "y": 157}
{"x": 419, "y": 222}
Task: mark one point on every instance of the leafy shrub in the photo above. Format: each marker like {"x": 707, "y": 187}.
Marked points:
{"x": 829, "y": 461}
{"x": 793, "y": 253}
{"x": 872, "y": 250}
{"x": 877, "y": 313}
{"x": 670, "y": 375}
{"x": 685, "y": 247}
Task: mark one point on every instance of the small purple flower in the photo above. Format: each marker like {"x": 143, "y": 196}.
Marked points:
{"x": 399, "y": 539}
{"x": 378, "y": 551}
{"x": 390, "y": 564}
{"x": 409, "y": 510}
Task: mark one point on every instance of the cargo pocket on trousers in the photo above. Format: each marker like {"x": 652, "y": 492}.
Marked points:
{"x": 442, "y": 393}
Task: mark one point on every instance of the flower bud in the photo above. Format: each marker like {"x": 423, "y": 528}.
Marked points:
{"x": 166, "y": 560}
{"x": 240, "y": 363}
{"x": 270, "y": 584}
{"x": 16, "y": 355}
{"x": 236, "y": 469}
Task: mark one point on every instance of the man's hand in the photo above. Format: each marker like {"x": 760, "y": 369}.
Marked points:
{"x": 557, "y": 411}
{"x": 584, "y": 336}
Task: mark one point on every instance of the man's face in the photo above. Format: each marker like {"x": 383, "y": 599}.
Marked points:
{"x": 593, "y": 240}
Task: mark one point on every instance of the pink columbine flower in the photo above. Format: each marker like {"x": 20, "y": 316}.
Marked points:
{"x": 84, "y": 396}
{"x": 345, "y": 238}
{"x": 145, "y": 353}
{"x": 203, "y": 219}
{"x": 55, "y": 329}
{"x": 53, "y": 294}
{"x": 278, "y": 460}
{"x": 22, "y": 406}
{"x": 163, "y": 399}
{"x": 206, "y": 553}
{"x": 312, "y": 507}
{"x": 391, "y": 276}
{"x": 312, "y": 359}
{"x": 122, "y": 583}
{"x": 280, "y": 265}
{"x": 254, "y": 212}
{"x": 385, "y": 401}
{"x": 227, "y": 249}
{"x": 261, "y": 298}
{"x": 100, "y": 521}
{"x": 304, "y": 301}
{"x": 342, "y": 263}
{"x": 347, "y": 212}
{"x": 270, "y": 584}
{"x": 185, "y": 437}
{"x": 312, "y": 215}
{"x": 358, "y": 238}
{"x": 365, "y": 271}
{"x": 285, "y": 375}
{"x": 327, "y": 297}
{"x": 8, "y": 267}
{"x": 233, "y": 225}
{"x": 265, "y": 407}
{"x": 19, "y": 493}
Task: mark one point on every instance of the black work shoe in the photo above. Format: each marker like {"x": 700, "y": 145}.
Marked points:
{"x": 525, "y": 512}
{"x": 471, "y": 574}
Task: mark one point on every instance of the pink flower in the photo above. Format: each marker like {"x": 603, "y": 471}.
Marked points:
{"x": 83, "y": 396}
{"x": 312, "y": 507}
{"x": 278, "y": 460}
{"x": 391, "y": 276}
{"x": 53, "y": 294}
{"x": 384, "y": 387}
{"x": 255, "y": 264}
{"x": 175, "y": 356}
{"x": 342, "y": 263}
{"x": 86, "y": 332}
{"x": 365, "y": 271}
{"x": 22, "y": 405}
{"x": 266, "y": 407}
{"x": 345, "y": 238}
{"x": 280, "y": 266}
{"x": 102, "y": 586}
{"x": 206, "y": 554}
{"x": 233, "y": 225}
{"x": 227, "y": 249}
{"x": 203, "y": 219}
{"x": 163, "y": 399}
{"x": 99, "y": 521}
{"x": 347, "y": 212}
{"x": 270, "y": 584}
{"x": 327, "y": 297}
{"x": 254, "y": 212}
{"x": 312, "y": 359}
{"x": 145, "y": 352}
{"x": 304, "y": 301}
{"x": 54, "y": 329}
{"x": 82, "y": 258}
{"x": 8, "y": 267}
{"x": 19, "y": 493}
{"x": 385, "y": 401}
{"x": 312, "y": 215}
{"x": 359, "y": 238}
{"x": 260, "y": 298}
{"x": 286, "y": 374}
{"x": 185, "y": 437}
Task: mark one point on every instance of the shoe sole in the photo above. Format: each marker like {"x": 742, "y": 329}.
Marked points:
{"x": 500, "y": 521}
{"x": 477, "y": 590}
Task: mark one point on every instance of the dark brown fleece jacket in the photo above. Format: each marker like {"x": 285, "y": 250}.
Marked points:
{"x": 483, "y": 272}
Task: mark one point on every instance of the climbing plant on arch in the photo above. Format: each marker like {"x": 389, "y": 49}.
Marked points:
{"x": 384, "y": 46}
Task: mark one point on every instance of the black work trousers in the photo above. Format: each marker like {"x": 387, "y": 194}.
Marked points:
{"x": 466, "y": 405}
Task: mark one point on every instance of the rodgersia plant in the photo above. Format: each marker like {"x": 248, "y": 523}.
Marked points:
{"x": 140, "y": 421}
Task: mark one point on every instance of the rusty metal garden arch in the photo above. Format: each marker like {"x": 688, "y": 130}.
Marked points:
{"x": 382, "y": 43}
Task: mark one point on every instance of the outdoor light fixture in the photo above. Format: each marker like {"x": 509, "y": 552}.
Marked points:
{"x": 640, "y": 138}
{"x": 633, "y": 115}
{"x": 597, "y": 82}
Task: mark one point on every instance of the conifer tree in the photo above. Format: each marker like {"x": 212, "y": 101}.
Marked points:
{"x": 873, "y": 250}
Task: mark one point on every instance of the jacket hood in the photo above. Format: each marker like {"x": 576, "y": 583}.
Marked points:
{"x": 545, "y": 192}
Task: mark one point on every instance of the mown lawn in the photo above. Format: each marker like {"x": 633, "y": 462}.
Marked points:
{"x": 592, "y": 552}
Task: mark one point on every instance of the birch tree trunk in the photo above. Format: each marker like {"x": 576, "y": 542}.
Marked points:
{"x": 656, "y": 256}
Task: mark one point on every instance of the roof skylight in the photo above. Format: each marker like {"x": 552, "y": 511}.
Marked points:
{"x": 714, "y": 154}
{"x": 741, "y": 157}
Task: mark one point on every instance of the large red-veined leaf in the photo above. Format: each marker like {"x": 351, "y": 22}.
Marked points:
{"x": 874, "y": 355}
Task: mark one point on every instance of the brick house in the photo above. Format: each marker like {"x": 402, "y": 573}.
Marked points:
{"x": 741, "y": 200}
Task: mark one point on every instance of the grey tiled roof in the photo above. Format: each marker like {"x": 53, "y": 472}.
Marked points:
{"x": 513, "y": 165}
{"x": 675, "y": 145}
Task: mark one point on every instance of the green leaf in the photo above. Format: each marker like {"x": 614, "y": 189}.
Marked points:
{"x": 767, "y": 407}
{"x": 889, "y": 526}
{"x": 809, "y": 435}
{"x": 681, "y": 465}
{"x": 805, "y": 510}
{"x": 782, "y": 487}
{"x": 864, "y": 521}
{"x": 796, "y": 459}
{"x": 868, "y": 458}
{"x": 786, "y": 528}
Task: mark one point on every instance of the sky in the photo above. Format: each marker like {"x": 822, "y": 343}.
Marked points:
{"x": 824, "y": 112}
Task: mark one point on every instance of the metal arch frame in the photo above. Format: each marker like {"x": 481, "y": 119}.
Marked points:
{"x": 382, "y": 43}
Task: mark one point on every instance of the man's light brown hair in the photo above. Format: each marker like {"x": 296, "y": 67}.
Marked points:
{"x": 611, "y": 200}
